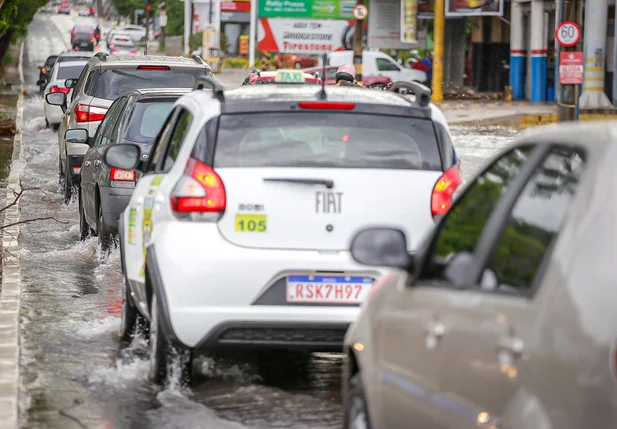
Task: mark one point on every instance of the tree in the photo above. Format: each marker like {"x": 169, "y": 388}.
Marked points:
{"x": 128, "y": 7}
{"x": 174, "y": 8}
{"x": 15, "y": 16}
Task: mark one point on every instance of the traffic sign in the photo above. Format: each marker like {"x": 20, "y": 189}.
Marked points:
{"x": 568, "y": 34}
{"x": 360, "y": 12}
{"x": 571, "y": 70}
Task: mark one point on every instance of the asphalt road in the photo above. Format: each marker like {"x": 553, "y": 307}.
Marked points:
{"x": 76, "y": 373}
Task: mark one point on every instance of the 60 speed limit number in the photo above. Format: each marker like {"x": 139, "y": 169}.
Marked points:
{"x": 568, "y": 34}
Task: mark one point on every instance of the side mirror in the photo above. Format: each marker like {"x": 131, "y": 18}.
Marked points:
{"x": 125, "y": 156}
{"x": 384, "y": 247}
{"x": 70, "y": 83}
{"x": 57, "y": 99}
{"x": 76, "y": 135}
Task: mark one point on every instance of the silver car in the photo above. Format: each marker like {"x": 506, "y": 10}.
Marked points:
{"x": 104, "y": 79}
{"x": 505, "y": 317}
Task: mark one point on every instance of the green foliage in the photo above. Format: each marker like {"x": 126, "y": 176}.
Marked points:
{"x": 8, "y": 59}
{"x": 235, "y": 63}
{"x": 128, "y": 7}
{"x": 195, "y": 41}
{"x": 16, "y": 15}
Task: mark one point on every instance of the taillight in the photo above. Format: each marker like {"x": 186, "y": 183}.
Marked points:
{"x": 85, "y": 113}
{"x": 92, "y": 39}
{"x": 120, "y": 175}
{"x": 200, "y": 190}
{"x": 443, "y": 191}
{"x": 133, "y": 52}
{"x": 73, "y": 30}
{"x": 114, "y": 51}
{"x": 153, "y": 68}
{"x": 44, "y": 70}
{"x": 326, "y": 105}
{"x": 77, "y": 169}
{"x": 58, "y": 89}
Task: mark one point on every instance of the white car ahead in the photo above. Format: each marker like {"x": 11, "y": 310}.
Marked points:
{"x": 237, "y": 234}
{"x": 59, "y": 74}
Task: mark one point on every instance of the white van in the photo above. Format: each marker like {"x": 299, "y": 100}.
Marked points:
{"x": 376, "y": 63}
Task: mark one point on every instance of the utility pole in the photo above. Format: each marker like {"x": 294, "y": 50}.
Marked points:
{"x": 570, "y": 10}
{"x": 439, "y": 35}
{"x": 163, "y": 24}
{"x": 188, "y": 25}
{"x": 358, "y": 44}
{"x": 252, "y": 34}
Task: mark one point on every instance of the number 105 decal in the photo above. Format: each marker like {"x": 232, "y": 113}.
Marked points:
{"x": 251, "y": 223}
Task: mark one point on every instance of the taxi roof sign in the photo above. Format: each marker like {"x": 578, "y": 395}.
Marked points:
{"x": 289, "y": 76}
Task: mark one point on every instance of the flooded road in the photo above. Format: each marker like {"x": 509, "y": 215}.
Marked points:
{"x": 75, "y": 371}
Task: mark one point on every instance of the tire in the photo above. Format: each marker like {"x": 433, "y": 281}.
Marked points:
{"x": 131, "y": 318}
{"x": 68, "y": 186}
{"x": 84, "y": 229}
{"x": 162, "y": 352}
{"x": 357, "y": 413}
{"x": 106, "y": 238}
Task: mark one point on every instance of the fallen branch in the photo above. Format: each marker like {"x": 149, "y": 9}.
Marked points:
{"x": 21, "y": 222}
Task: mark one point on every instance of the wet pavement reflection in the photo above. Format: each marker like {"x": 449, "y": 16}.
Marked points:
{"x": 75, "y": 371}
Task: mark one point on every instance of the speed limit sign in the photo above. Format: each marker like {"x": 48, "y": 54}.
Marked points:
{"x": 568, "y": 34}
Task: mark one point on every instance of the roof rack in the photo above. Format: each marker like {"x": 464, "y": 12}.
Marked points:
{"x": 101, "y": 55}
{"x": 205, "y": 81}
{"x": 421, "y": 92}
{"x": 198, "y": 59}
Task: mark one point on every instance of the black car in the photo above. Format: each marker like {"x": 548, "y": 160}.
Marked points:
{"x": 135, "y": 117}
{"x": 83, "y": 37}
{"x": 45, "y": 72}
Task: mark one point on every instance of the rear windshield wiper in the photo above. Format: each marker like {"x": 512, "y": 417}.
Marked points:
{"x": 326, "y": 182}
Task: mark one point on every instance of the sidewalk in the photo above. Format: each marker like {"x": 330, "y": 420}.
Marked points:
{"x": 507, "y": 113}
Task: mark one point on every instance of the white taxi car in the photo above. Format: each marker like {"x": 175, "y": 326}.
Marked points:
{"x": 237, "y": 234}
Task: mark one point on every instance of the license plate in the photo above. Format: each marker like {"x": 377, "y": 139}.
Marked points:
{"x": 325, "y": 289}
{"x": 83, "y": 44}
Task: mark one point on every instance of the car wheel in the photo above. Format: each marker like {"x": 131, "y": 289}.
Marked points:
{"x": 162, "y": 353}
{"x": 106, "y": 238}
{"x": 298, "y": 66}
{"x": 84, "y": 229}
{"x": 131, "y": 318}
{"x": 68, "y": 186}
{"x": 358, "y": 417}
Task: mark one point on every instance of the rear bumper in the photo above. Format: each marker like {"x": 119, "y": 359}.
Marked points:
{"x": 218, "y": 295}
{"x": 113, "y": 203}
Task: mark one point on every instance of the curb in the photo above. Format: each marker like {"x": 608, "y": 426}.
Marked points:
{"x": 10, "y": 292}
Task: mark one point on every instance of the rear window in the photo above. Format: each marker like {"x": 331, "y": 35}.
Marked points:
{"x": 110, "y": 84}
{"x": 69, "y": 72}
{"x": 336, "y": 140}
{"x": 80, "y": 35}
{"x": 147, "y": 119}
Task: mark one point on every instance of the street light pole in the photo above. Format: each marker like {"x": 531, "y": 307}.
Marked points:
{"x": 187, "y": 26}
{"x": 252, "y": 34}
{"x": 439, "y": 34}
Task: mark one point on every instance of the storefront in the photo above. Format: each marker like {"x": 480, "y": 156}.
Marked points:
{"x": 235, "y": 19}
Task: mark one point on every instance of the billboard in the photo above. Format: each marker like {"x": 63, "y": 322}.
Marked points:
{"x": 308, "y": 9}
{"x": 460, "y": 8}
{"x": 394, "y": 25}
{"x": 304, "y": 36}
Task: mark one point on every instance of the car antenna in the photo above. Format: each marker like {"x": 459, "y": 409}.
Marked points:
{"x": 322, "y": 93}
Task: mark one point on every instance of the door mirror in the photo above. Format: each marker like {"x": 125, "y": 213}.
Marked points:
{"x": 70, "y": 83}
{"x": 384, "y": 247}
{"x": 57, "y": 99}
{"x": 125, "y": 156}
{"x": 76, "y": 135}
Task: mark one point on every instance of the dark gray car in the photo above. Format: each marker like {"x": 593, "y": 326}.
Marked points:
{"x": 505, "y": 316}
{"x": 135, "y": 117}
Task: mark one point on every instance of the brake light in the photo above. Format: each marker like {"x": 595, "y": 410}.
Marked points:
{"x": 326, "y": 105}
{"x": 114, "y": 51}
{"x": 443, "y": 191}
{"x": 133, "y": 52}
{"x": 77, "y": 169}
{"x": 85, "y": 113}
{"x": 153, "y": 68}
{"x": 200, "y": 190}
{"x": 58, "y": 89}
{"x": 120, "y": 175}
